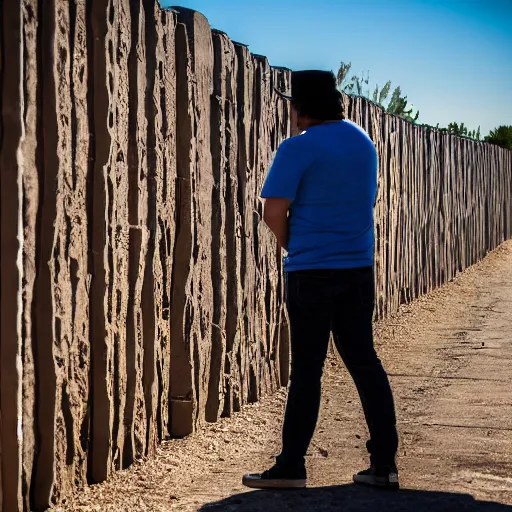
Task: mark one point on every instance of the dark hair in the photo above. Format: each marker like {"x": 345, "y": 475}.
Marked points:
{"x": 325, "y": 108}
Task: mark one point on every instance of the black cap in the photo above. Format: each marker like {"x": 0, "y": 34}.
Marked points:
{"x": 309, "y": 84}
{"x": 315, "y": 95}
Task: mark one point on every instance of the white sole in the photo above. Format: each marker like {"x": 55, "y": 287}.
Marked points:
{"x": 260, "y": 483}
{"x": 375, "y": 481}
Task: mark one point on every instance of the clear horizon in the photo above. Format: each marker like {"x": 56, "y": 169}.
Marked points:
{"x": 452, "y": 58}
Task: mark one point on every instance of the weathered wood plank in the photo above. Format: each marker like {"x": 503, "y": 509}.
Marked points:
{"x": 135, "y": 413}
{"x": 31, "y": 151}
{"x": 193, "y": 323}
{"x": 221, "y": 150}
{"x": 101, "y": 81}
{"x": 230, "y": 380}
{"x": 164, "y": 97}
{"x": 11, "y": 244}
{"x": 247, "y": 191}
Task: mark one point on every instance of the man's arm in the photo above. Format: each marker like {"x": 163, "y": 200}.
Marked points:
{"x": 292, "y": 160}
{"x": 275, "y": 215}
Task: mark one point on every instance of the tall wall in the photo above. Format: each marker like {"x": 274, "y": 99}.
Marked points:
{"x": 140, "y": 296}
{"x": 140, "y": 293}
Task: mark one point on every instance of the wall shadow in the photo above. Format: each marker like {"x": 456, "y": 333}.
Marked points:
{"x": 353, "y": 498}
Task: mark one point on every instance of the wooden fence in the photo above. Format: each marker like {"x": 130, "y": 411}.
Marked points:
{"x": 443, "y": 203}
{"x": 140, "y": 293}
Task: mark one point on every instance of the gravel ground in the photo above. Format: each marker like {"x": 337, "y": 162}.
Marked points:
{"x": 449, "y": 358}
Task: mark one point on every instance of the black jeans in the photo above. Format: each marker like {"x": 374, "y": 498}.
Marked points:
{"x": 342, "y": 302}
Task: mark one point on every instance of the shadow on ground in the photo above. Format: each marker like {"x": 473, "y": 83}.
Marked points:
{"x": 352, "y": 498}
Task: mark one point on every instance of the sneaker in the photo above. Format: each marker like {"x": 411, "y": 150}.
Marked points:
{"x": 385, "y": 477}
{"x": 277, "y": 477}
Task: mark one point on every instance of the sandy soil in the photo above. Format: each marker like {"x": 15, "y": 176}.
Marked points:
{"x": 449, "y": 358}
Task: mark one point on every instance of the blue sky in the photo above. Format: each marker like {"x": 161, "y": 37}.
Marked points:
{"x": 453, "y": 58}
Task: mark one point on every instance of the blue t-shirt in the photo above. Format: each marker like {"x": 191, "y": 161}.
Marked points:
{"x": 329, "y": 173}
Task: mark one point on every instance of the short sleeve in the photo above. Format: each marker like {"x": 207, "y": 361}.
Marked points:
{"x": 290, "y": 163}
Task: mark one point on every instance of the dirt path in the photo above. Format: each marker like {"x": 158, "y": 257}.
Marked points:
{"x": 449, "y": 356}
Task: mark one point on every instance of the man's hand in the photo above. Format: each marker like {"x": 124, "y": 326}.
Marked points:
{"x": 275, "y": 215}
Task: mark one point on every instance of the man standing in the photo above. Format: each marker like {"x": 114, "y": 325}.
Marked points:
{"x": 319, "y": 197}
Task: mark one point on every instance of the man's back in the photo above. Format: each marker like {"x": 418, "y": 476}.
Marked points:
{"x": 330, "y": 175}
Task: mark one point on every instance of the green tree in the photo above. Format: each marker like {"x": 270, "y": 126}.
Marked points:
{"x": 501, "y": 136}
{"x": 384, "y": 93}
{"x": 342, "y": 76}
{"x": 354, "y": 84}
{"x": 457, "y": 129}
{"x": 398, "y": 106}
{"x": 461, "y": 130}
{"x": 359, "y": 85}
